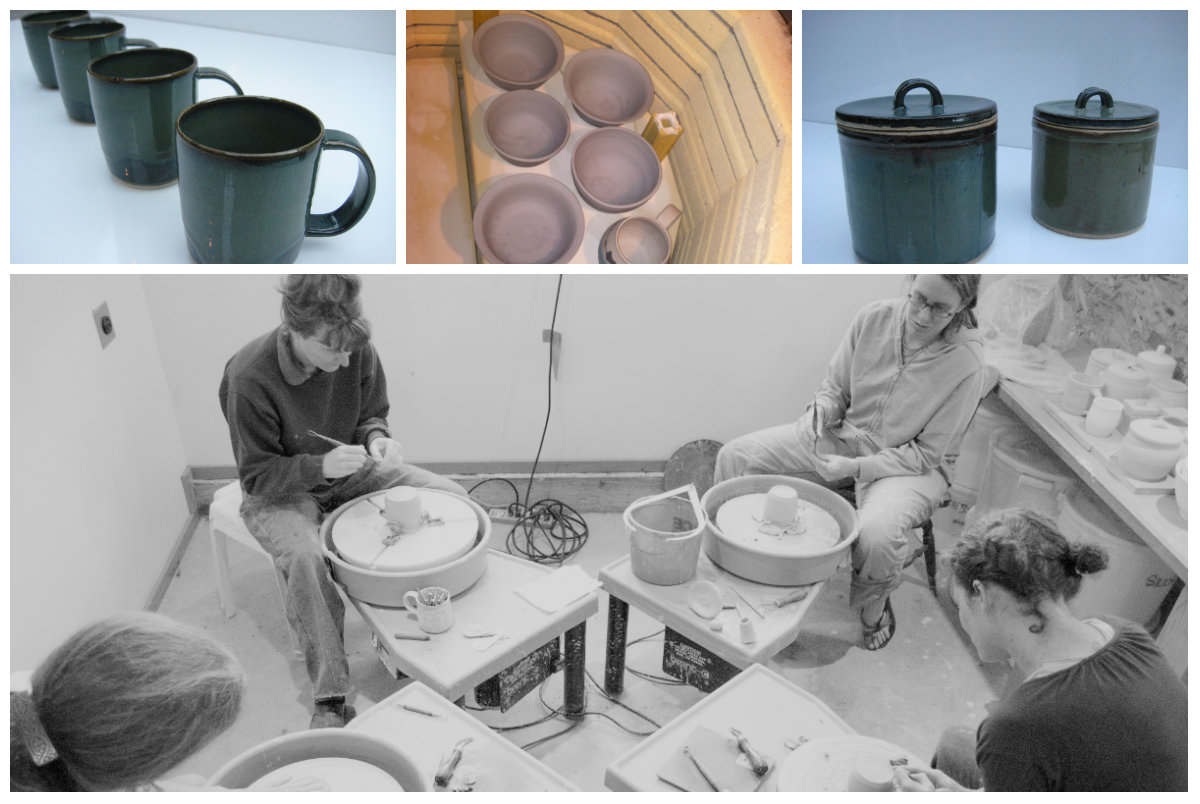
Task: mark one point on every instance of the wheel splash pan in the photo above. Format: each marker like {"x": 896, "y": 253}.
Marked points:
{"x": 753, "y": 565}
{"x": 388, "y": 588}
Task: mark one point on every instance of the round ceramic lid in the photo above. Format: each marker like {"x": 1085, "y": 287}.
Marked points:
{"x": 1157, "y": 357}
{"x": 1095, "y": 108}
{"x": 1131, "y": 372}
{"x": 926, "y": 111}
{"x": 813, "y": 531}
{"x": 1157, "y": 432}
{"x": 363, "y": 537}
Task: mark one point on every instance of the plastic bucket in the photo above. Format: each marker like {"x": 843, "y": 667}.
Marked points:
{"x": 665, "y": 536}
{"x": 991, "y": 415}
{"x": 1136, "y": 580}
{"x": 1021, "y": 472}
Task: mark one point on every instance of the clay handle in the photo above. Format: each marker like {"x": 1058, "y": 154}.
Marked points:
{"x": 935, "y": 95}
{"x": 667, "y": 216}
{"x": 1106, "y": 101}
{"x": 410, "y": 600}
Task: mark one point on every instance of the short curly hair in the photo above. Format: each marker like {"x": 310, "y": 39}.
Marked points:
{"x": 1024, "y": 553}
{"x": 311, "y": 301}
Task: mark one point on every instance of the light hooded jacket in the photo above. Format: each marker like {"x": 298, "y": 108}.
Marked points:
{"x": 901, "y": 417}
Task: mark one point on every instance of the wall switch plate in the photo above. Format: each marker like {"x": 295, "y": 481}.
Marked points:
{"x": 104, "y": 325}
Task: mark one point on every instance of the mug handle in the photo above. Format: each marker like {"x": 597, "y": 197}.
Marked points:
{"x": 410, "y": 600}
{"x": 137, "y": 43}
{"x": 354, "y": 207}
{"x": 668, "y": 216}
{"x": 213, "y": 72}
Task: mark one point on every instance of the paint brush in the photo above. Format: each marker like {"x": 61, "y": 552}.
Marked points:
{"x": 445, "y": 771}
{"x": 757, "y": 763}
{"x": 703, "y": 771}
{"x": 336, "y": 443}
{"x": 408, "y": 708}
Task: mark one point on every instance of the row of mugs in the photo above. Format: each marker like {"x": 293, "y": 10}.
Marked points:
{"x": 246, "y": 165}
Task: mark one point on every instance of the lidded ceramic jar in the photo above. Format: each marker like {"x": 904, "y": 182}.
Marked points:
{"x": 1150, "y": 449}
{"x": 920, "y": 175}
{"x": 1125, "y": 381}
{"x": 1092, "y": 164}
{"x": 1157, "y": 363}
{"x": 1102, "y": 358}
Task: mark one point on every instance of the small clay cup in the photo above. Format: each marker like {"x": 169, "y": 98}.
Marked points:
{"x": 247, "y": 169}
{"x": 615, "y": 170}
{"x": 137, "y": 95}
{"x": 638, "y": 239}
{"x": 72, "y": 47}
{"x": 527, "y": 218}
{"x": 607, "y": 87}
{"x": 525, "y": 127}
{"x": 37, "y": 27}
{"x": 517, "y": 51}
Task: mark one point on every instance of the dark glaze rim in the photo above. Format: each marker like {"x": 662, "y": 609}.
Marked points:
{"x": 144, "y": 79}
{"x": 291, "y": 152}
{"x": 55, "y": 18}
{"x": 58, "y": 33}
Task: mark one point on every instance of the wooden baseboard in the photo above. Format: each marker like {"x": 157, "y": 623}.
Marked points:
{"x": 599, "y": 487}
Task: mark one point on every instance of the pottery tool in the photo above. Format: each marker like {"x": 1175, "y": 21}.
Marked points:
{"x": 703, "y": 771}
{"x": 759, "y": 765}
{"x": 336, "y": 443}
{"x": 753, "y": 608}
{"x": 415, "y": 710}
{"x": 417, "y": 637}
{"x": 794, "y": 596}
{"x": 446, "y": 770}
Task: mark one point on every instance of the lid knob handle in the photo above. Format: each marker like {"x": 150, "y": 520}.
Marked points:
{"x": 1106, "y": 101}
{"x": 935, "y": 97}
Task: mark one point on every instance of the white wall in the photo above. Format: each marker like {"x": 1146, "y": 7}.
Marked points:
{"x": 364, "y": 30}
{"x": 1016, "y": 58}
{"x": 95, "y": 459}
{"x": 648, "y": 362}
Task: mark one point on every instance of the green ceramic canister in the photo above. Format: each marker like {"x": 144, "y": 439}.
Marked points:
{"x": 1092, "y": 164}
{"x": 920, "y": 176}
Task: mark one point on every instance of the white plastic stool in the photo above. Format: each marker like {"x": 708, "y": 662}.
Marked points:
{"x": 225, "y": 522}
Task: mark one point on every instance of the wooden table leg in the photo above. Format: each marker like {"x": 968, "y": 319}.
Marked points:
{"x": 614, "y": 657}
{"x": 574, "y": 692}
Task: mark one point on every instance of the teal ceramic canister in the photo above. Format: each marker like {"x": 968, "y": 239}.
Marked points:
{"x": 37, "y": 28}
{"x": 920, "y": 175}
{"x": 1092, "y": 164}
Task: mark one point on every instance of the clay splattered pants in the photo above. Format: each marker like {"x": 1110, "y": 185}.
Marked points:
{"x": 888, "y": 508}
{"x": 287, "y": 527}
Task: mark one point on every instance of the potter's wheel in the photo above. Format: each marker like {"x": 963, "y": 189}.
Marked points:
{"x": 339, "y": 774}
{"x": 740, "y": 519}
{"x": 364, "y": 537}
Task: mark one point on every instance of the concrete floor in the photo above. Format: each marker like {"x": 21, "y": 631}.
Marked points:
{"x": 928, "y": 678}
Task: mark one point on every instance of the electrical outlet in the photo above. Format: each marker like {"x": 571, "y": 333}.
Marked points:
{"x": 104, "y": 325}
{"x": 502, "y": 516}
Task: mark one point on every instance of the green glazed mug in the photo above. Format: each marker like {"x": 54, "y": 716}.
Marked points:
{"x": 247, "y": 170}
{"x": 72, "y": 47}
{"x": 137, "y": 95}
{"x": 37, "y": 28}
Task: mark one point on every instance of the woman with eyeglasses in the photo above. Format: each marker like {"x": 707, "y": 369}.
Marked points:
{"x": 1097, "y": 707}
{"x": 887, "y": 421}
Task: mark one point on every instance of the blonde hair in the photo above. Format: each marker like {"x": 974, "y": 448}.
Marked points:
{"x": 311, "y": 301}
{"x": 130, "y": 697}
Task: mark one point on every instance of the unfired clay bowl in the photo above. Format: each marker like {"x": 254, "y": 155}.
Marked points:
{"x": 607, "y": 87}
{"x": 615, "y": 170}
{"x": 517, "y": 51}
{"x": 527, "y": 218}
{"x": 525, "y": 127}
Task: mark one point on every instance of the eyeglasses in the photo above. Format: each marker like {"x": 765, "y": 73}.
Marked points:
{"x": 920, "y": 303}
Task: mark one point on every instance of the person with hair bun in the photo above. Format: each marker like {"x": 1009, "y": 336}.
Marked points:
{"x": 121, "y": 702}
{"x": 1097, "y": 708}
{"x": 316, "y": 373}
{"x": 887, "y": 422}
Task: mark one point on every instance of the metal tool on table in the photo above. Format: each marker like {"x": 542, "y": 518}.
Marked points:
{"x": 445, "y": 771}
{"x": 417, "y": 710}
{"x": 753, "y": 608}
{"x": 759, "y": 765}
{"x": 708, "y": 777}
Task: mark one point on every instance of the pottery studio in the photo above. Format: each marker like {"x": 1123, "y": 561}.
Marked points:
{"x": 506, "y": 533}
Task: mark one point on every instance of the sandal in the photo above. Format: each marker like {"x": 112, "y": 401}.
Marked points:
{"x": 885, "y": 627}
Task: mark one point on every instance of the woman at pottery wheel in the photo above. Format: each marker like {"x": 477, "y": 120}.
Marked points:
{"x": 887, "y": 421}
{"x": 1098, "y": 707}
{"x": 120, "y": 703}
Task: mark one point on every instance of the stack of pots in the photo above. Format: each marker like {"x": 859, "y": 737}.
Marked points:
{"x": 921, "y": 176}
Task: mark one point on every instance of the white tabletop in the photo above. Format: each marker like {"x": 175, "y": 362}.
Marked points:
{"x": 1019, "y": 238}
{"x": 775, "y": 630}
{"x": 489, "y": 167}
{"x": 66, "y": 207}
{"x": 760, "y": 703}
{"x": 496, "y": 764}
{"x": 449, "y": 662}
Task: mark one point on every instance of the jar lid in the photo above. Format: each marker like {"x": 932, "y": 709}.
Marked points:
{"x": 1156, "y": 431}
{"x": 1156, "y": 357}
{"x": 1128, "y": 371}
{"x": 1105, "y": 113}
{"x": 897, "y": 112}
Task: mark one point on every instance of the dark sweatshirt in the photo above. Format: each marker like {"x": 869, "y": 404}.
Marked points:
{"x": 271, "y": 402}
